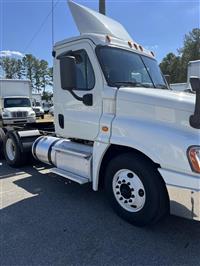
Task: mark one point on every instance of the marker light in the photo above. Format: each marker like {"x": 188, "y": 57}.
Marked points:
{"x": 135, "y": 45}
{"x": 194, "y": 158}
{"x": 108, "y": 38}
{"x": 152, "y": 53}
{"x": 130, "y": 44}
{"x": 105, "y": 129}
{"x": 141, "y": 48}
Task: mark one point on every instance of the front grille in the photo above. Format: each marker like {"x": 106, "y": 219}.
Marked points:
{"x": 19, "y": 114}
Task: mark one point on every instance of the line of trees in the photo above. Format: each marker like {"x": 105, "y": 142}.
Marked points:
{"x": 176, "y": 65}
{"x": 29, "y": 67}
{"x": 41, "y": 75}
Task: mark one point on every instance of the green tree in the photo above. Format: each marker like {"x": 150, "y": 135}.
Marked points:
{"x": 171, "y": 65}
{"x": 28, "y": 62}
{"x": 9, "y": 66}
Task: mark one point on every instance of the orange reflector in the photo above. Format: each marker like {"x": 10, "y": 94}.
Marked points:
{"x": 130, "y": 44}
{"x": 105, "y": 129}
{"x": 108, "y": 38}
{"x": 194, "y": 158}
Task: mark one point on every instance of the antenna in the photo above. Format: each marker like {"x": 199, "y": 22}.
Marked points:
{"x": 102, "y": 7}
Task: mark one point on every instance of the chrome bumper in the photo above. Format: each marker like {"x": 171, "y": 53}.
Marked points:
{"x": 14, "y": 121}
{"x": 184, "y": 194}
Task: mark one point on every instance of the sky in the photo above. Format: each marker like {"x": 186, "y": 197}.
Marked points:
{"x": 159, "y": 25}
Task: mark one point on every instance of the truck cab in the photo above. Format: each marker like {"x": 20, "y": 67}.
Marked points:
{"x": 15, "y": 102}
{"x": 118, "y": 126}
{"x": 17, "y": 110}
{"x": 37, "y": 108}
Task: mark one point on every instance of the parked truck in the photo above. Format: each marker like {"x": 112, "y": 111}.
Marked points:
{"x": 15, "y": 102}
{"x": 192, "y": 70}
{"x": 117, "y": 125}
{"x": 37, "y": 105}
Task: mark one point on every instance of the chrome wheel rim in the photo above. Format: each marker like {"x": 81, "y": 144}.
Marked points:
{"x": 129, "y": 190}
{"x": 10, "y": 149}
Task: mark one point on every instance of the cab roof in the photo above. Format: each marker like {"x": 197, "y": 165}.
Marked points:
{"x": 101, "y": 30}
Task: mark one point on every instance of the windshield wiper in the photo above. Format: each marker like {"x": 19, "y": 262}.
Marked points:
{"x": 128, "y": 84}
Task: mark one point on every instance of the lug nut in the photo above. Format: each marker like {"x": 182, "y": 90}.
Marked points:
{"x": 125, "y": 201}
{"x": 141, "y": 193}
{"x": 120, "y": 198}
{"x": 118, "y": 193}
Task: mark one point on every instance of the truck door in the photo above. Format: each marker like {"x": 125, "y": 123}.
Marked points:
{"x": 73, "y": 118}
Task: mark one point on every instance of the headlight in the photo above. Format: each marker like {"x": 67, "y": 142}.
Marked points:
{"x": 32, "y": 114}
{"x": 4, "y": 115}
{"x": 194, "y": 158}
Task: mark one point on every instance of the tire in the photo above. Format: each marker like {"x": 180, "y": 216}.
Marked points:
{"x": 2, "y": 140}
{"x": 136, "y": 190}
{"x": 14, "y": 156}
{"x": 42, "y": 116}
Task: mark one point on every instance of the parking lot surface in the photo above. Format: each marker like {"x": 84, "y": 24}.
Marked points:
{"x": 47, "y": 220}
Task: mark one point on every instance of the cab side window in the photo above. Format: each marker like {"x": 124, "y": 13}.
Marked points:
{"x": 85, "y": 73}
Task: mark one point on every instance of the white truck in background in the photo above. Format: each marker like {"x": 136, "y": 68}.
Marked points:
{"x": 15, "y": 102}
{"x": 192, "y": 71}
{"x": 118, "y": 126}
{"x": 37, "y": 105}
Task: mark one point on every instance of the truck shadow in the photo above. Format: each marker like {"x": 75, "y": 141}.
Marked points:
{"x": 65, "y": 223}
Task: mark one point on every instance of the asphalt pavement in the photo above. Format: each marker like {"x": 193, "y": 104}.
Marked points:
{"x": 47, "y": 220}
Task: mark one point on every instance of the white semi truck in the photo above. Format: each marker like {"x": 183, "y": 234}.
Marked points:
{"x": 117, "y": 125}
{"x": 15, "y": 102}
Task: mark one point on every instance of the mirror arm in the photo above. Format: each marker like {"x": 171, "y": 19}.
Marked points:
{"x": 76, "y": 96}
{"x": 195, "y": 118}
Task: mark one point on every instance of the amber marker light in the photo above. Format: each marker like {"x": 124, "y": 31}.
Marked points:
{"x": 108, "y": 38}
{"x": 105, "y": 129}
{"x": 152, "y": 53}
{"x": 141, "y": 48}
{"x": 194, "y": 158}
{"x": 130, "y": 44}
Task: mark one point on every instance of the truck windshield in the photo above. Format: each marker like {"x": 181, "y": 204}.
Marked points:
{"x": 16, "y": 102}
{"x": 37, "y": 104}
{"x": 126, "y": 68}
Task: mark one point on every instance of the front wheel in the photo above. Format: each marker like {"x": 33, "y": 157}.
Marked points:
{"x": 136, "y": 189}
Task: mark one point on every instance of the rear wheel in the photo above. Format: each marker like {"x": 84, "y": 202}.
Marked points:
{"x": 14, "y": 154}
{"x": 136, "y": 190}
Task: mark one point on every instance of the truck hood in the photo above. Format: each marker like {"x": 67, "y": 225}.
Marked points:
{"x": 156, "y": 104}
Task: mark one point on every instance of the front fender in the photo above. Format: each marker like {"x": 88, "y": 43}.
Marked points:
{"x": 162, "y": 143}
